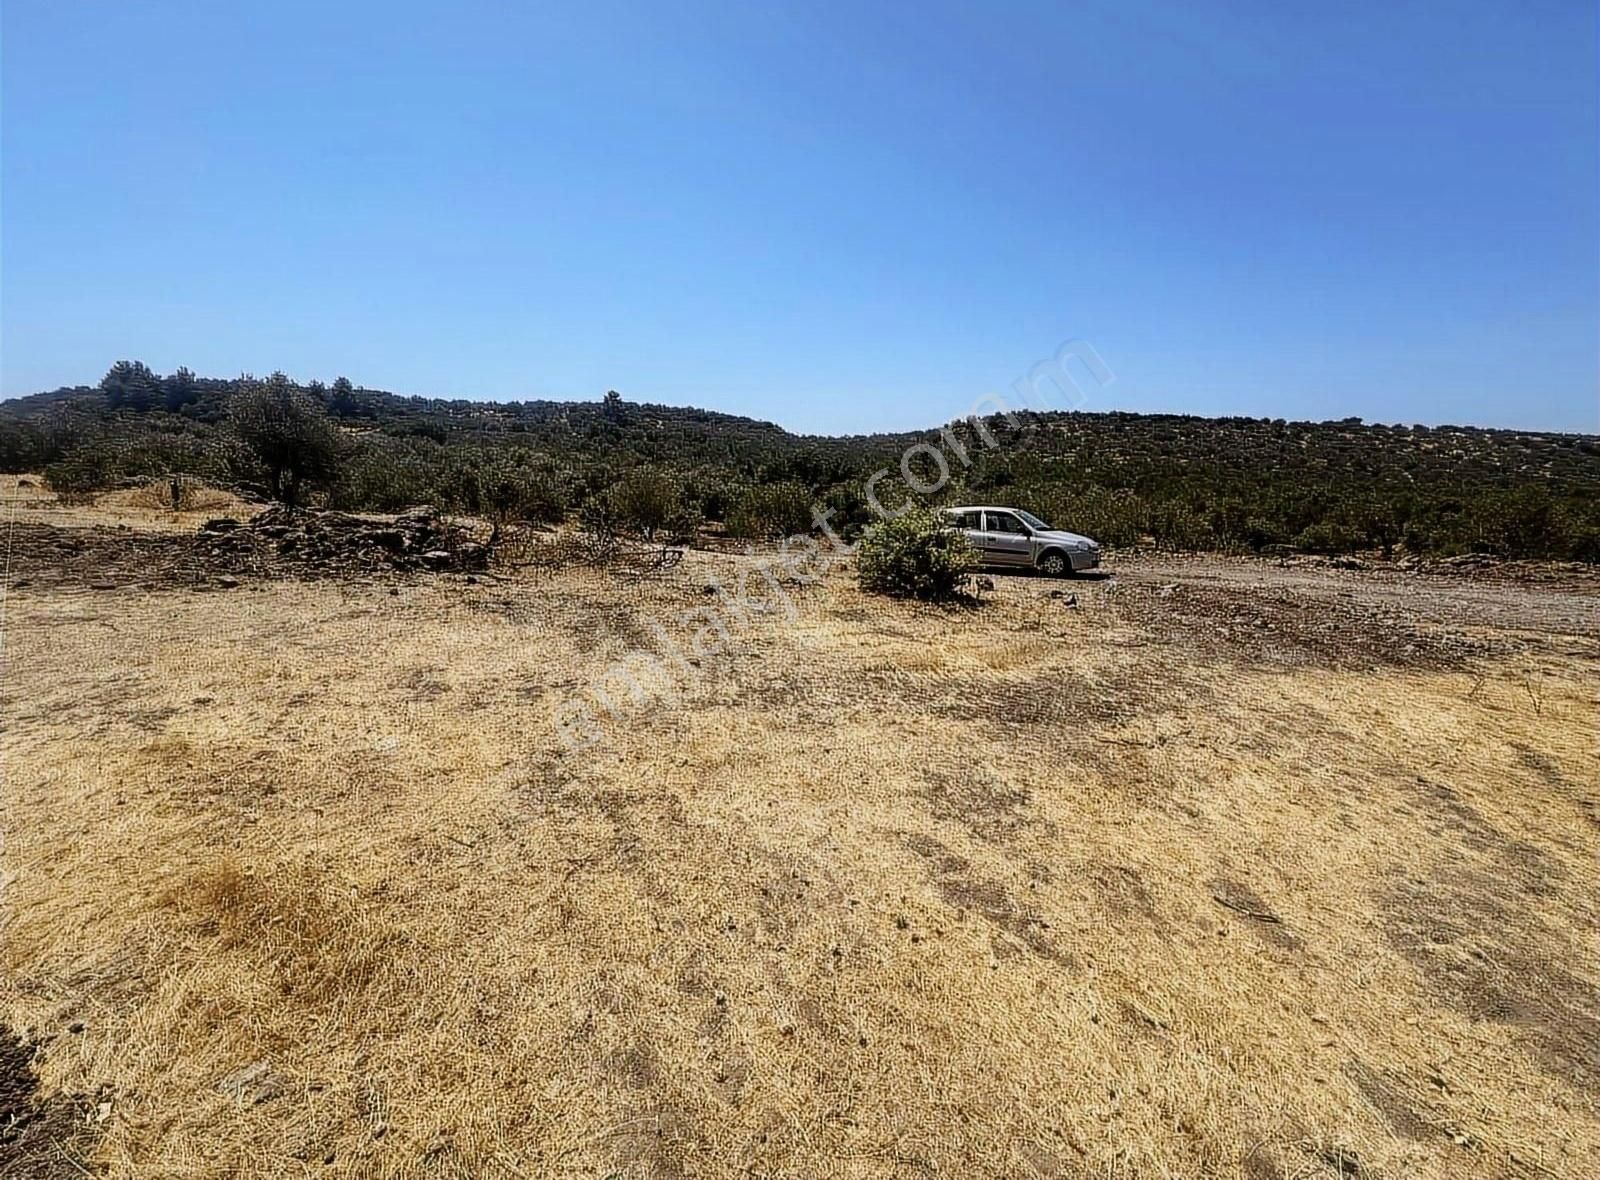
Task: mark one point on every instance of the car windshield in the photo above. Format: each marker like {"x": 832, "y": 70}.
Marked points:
{"x": 1033, "y": 521}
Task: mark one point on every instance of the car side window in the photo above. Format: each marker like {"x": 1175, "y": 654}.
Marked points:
{"x": 972, "y": 520}
{"x": 1004, "y": 522}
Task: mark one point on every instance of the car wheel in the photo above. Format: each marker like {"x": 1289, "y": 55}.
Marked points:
{"x": 1054, "y": 565}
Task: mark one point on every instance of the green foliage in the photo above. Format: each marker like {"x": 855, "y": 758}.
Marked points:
{"x": 76, "y": 477}
{"x": 509, "y": 489}
{"x": 382, "y": 476}
{"x": 767, "y": 511}
{"x": 179, "y": 390}
{"x": 1244, "y": 484}
{"x": 288, "y": 434}
{"x": 1327, "y": 536}
{"x": 914, "y": 556}
{"x": 1115, "y": 518}
{"x": 131, "y": 385}
{"x": 24, "y": 446}
{"x": 649, "y": 501}
{"x": 1175, "y": 525}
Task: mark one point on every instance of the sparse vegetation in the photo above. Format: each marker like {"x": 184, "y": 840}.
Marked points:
{"x": 299, "y": 871}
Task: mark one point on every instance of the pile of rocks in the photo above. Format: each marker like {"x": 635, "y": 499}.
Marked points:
{"x": 338, "y": 543}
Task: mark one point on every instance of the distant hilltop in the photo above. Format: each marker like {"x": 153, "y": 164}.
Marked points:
{"x": 1174, "y": 481}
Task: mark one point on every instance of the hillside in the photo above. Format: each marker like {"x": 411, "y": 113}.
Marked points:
{"x": 1175, "y": 481}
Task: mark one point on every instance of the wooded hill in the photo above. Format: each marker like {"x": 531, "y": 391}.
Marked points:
{"x": 1177, "y": 481}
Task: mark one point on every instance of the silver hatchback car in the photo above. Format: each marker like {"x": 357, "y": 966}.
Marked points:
{"x": 1012, "y": 537}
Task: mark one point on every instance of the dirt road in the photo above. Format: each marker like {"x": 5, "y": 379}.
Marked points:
{"x": 1557, "y": 600}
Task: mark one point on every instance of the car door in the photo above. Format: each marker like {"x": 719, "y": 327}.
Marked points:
{"x": 1006, "y": 540}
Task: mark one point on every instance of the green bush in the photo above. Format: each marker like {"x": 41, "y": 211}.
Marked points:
{"x": 1114, "y": 518}
{"x": 1188, "y": 483}
{"x": 771, "y": 510}
{"x": 78, "y": 475}
{"x": 649, "y": 501}
{"x": 1328, "y": 536}
{"x": 379, "y": 478}
{"x": 1176, "y": 526}
{"x": 507, "y": 490}
{"x": 914, "y": 556}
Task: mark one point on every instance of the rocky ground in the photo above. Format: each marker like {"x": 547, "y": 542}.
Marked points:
{"x": 1340, "y": 612}
{"x": 275, "y": 543}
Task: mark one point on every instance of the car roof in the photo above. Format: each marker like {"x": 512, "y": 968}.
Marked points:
{"x": 980, "y": 508}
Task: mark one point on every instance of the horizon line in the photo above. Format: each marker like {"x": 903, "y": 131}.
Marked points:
{"x": 490, "y": 400}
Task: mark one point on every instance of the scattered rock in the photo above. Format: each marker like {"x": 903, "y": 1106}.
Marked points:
{"x": 227, "y": 582}
{"x": 308, "y": 541}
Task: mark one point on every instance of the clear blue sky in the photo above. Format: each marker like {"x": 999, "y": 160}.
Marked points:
{"x": 838, "y": 216}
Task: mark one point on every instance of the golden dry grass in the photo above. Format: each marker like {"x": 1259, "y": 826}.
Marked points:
{"x": 887, "y": 891}
{"x": 146, "y": 507}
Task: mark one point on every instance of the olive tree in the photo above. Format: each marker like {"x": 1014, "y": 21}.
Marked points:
{"x": 288, "y": 434}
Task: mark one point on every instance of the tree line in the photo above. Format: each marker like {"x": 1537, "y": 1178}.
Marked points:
{"x": 1179, "y": 482}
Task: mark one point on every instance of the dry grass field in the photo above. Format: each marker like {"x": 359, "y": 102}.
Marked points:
{"x": 1214, "y": 869}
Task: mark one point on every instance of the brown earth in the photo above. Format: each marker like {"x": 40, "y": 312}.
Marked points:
{"x": 1205, "y": 867}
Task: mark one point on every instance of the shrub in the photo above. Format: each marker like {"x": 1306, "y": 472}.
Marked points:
{"x": 1261, "y": 533}
{"x": 771, "y": 510}
{"x": 712, "y": 492}
{"x": 914, "y": 556}
{"x": 1327, "y": 536}
{"x": 1114, "y": 518}
{"x": 506, "y": 490}
{"x": 1175, "y": 525}
{"x": 79, "y": 474}
{"x": 648, "y": 501}
{"x": 379, "y": 478}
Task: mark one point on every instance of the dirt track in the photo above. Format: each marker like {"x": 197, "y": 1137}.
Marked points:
{"x": 1323, "y": 600}
{"x": 1560, "y": 600}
